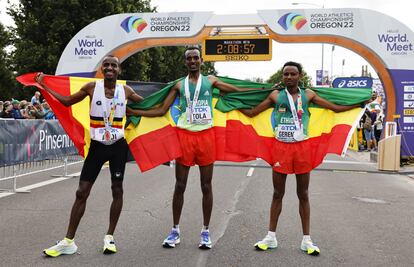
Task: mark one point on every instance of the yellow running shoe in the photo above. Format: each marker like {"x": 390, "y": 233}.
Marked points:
{"x": 267, "y": 243}
{"x": 65, "y": 246}
{"x": 310, "y": 248}
{"x": 109, "y": 245}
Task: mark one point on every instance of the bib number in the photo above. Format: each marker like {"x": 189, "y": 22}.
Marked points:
{"x": 108, "y": 135}
{"x": 198, "y": 115}
{"x": 288, "y": 133}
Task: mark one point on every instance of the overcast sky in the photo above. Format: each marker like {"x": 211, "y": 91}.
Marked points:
{"x": 308, "y": 54}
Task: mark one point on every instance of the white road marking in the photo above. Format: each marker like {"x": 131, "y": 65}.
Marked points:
{"x": 250, "y": 172}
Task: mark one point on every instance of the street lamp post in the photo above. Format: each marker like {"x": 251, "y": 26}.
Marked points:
{"x": 323, "y": 48}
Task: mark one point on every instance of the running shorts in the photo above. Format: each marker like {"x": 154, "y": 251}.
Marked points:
{"x": 99, "y": 153}
{"x": 197, "y": 147}
{"x": 294, "y": 158}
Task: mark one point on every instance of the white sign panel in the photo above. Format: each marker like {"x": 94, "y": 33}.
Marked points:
{"x": 388, "y": 37}
{"x": 408, "y": 96}
{"x": 409, "y": 104}
{"x": 84, "y": 52}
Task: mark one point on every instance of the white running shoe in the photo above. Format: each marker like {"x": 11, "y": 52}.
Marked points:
{"x": 205, "y": 241}
{"x": 267, "y": 243}
{"x": 64, "y": 246}
{"x": 172, "y": 239}
{"x": 310, "y": 248}
{"x": 109, "y": 245}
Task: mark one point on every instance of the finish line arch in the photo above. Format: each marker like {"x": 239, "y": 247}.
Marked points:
{"x": 382, "y": 40}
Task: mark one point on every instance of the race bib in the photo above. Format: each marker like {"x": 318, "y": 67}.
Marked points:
{"x": 199, "y": 115}
{"x": 108, "y": 136}
{"x": 287, "y": 133}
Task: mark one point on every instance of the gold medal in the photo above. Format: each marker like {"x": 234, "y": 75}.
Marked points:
{"x": 107, "y": 135}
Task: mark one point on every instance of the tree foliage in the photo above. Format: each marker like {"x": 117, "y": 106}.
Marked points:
{"x": 45, "y": 27}
{"x": 276, "y": 79}
{"x": 6, "y": 76}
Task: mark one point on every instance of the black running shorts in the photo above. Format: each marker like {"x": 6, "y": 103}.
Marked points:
{"x": 99, "y": 153}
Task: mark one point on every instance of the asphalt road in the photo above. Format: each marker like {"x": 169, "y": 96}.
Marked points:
{"x": 358, "y": 218}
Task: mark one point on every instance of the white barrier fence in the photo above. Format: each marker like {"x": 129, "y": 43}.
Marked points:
{"x": 10, "y": 174}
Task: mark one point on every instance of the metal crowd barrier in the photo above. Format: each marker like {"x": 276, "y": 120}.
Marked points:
{"x": 12, "y": 172}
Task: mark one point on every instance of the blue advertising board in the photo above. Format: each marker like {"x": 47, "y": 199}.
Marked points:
{"x": 352, "y": 82}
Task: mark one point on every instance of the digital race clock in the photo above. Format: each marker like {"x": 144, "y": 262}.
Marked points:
{"x": 237, "y": 48}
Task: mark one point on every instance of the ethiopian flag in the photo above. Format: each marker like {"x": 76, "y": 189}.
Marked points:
{"x": 148, "y": 136}
{"x": 329, "y": 132}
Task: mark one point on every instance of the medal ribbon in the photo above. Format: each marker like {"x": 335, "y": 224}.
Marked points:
{"x": 297, "y": 116}
{"x": 108, "y": 120}
{"x": 187, "y": 94}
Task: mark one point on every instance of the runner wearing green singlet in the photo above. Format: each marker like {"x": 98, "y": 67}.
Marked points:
{"x": 197, "y": 138}
{"x": 290, "y": 147}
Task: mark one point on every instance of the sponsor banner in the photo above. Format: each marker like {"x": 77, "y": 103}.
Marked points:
{"x": 33, "y": 140}
{"x": 322, "y": 78}
{"x": 404, "y": 82}
{"x": 408, "y": 104}
{"x": 408, "y": 96}
{"x": 409, "y": 88}
{"x": 84, "y": 52}
{"x": 352, "y": 82}
{"x": 385, "y": 35}
{"x": 408, "y": 112}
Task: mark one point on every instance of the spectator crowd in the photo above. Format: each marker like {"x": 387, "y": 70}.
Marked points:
{"x": 35, "y": 109}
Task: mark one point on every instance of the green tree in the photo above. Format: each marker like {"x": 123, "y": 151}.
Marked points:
{"x": 162, "y": 64}
{"x": 44, "y": 28}
{"x": 276, "y": 79}
{"x": 6, "y": 75}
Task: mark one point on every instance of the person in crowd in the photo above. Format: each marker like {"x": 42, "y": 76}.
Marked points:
{"x": 23, "y": 108}
{"x": 197, "y": 139}
{"x": 1, "y": 105}
{"x": 379, "y": 123}
{"x": 368, "y": 120}
{"x": 292, "y": 149}
{"x": 7, "y": 110}
{"x": 16, "y": 110}
{"x": 35, "y": 98}
{"x": 30, "y": 112}
{"x": 38, "y": 111}
{"x": 49, "y": 114}
{"x": 107, "y": 110}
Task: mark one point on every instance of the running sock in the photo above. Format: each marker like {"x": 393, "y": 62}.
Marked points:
{"x": 271, "y": 234}
{"x": 176, "y": 228}
{"x": 306, "y": 237}
{"x": 68, "y": 240}
{"x": 205, "y": 228}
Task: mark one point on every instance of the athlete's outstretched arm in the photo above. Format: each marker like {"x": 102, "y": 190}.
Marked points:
{"x": 67, "y": 100}
{"x": 160, "y": 110}
{"x": 225, "y": 87}
{"x": 265, "y": 104}
{"x": 314, "y": 98}
{"x": 131, "y": 95}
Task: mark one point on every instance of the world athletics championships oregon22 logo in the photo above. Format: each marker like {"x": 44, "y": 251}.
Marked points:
{"x": 134, "y": 22}
{"x": 292, "y": 19}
